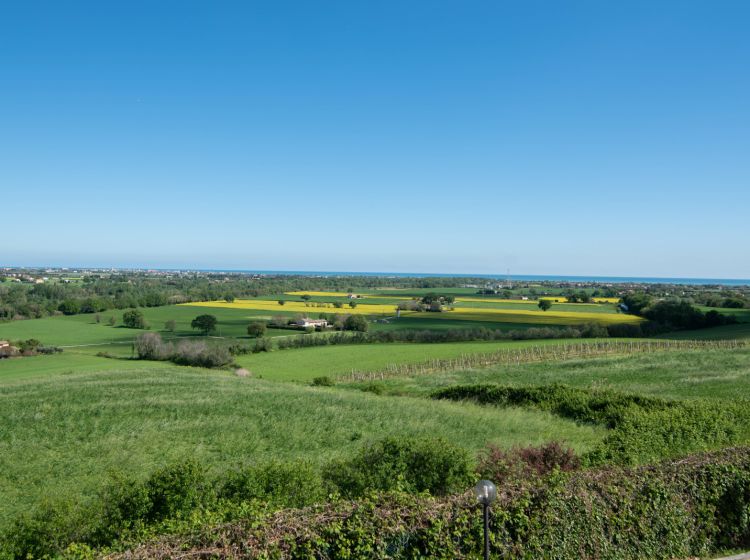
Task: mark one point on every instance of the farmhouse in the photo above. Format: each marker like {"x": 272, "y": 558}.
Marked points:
{"x": 305, "y": 322}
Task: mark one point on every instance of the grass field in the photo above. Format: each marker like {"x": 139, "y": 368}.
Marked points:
{"x": 676, "y": 374}
{"x": 77, "y": 330}
{"x": 61, "y": 434}
{"x": 305, "y": 364}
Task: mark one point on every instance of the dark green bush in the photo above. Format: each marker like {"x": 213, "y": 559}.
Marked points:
{"x": 296, "y": 484}
{"x": 323, "y": 381}
{"x": 410, "y": 464}
{"x": 642, "y": 428}
{"x": 175, "y": 490}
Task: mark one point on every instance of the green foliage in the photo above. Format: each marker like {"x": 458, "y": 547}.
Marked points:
{"x": 205, "y": 323}
{"x": 295, "y": 484}
{"x": 692, "y": 507}
{"x": 256, "y": 329}
{"x": 134, "y": 319}
{"x": 355, "y": 323}
{"x": 409, "y": 464}
{"x": 262, "y": 344}
{"x": 642, "y": 429}
{"x": 544, "y": 304}
{"x": 323, "y": 381}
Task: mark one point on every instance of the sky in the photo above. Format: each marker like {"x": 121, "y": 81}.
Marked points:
{"x": 578, "y": 137}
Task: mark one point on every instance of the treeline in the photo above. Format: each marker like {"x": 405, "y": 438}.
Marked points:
{"x": 96, "y": 293}
{"x": 592, "y": 330}
{"x": 673, "y": 314}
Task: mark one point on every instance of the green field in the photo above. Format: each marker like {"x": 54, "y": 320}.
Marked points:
{"x": 80, "y": 330}
{"x": 305, "y": 364}
{"x": 677, "y": 374}
{"x": 61, "y": 434}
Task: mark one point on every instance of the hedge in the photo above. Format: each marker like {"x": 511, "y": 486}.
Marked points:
{"x": 677, "y": 509}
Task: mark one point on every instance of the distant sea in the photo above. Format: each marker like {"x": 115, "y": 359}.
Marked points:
{"x": 516, "y": 277}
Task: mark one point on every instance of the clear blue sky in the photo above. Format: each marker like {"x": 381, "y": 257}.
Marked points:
{"x": 603, "y": 138}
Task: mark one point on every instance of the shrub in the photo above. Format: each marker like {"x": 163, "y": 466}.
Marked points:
{"x": 503, "y": 466}
{"x": 323, "y": 381}
{"x": 134, "y": 319}
{"x": 409, "y": 464}
{"x": 296, "y": 484}
{"x": 149, "y": 346}
{"x": 256, "y": 329}
{"x": 199, "y": 353}
{"x": 263, "y": 344}
{"x": 175, "y": 490}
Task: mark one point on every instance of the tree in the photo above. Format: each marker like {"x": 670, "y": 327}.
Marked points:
{"x": 134, "y": 319}
{"x": 112, "y": 321}
{"x": 204, "y": 323}
{"x": 256, "y": 329}
{"x": 281, "y": 302}
{"x": 305, "y": 297}
{"x": 229, "y": 298}
{"x": 355, "y": 323}
{"x": 69, "y": 307}
{"x": 170, "y": 325}
{"x": 544, "y": 304}
{"x": 352, "y": 304}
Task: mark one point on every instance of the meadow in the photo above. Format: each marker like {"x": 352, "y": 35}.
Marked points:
{"x": 63, "y": 433}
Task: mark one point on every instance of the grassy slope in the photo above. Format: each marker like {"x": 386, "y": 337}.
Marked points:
{"x": 61, "y": 434}
{"x": 676, "y": 374}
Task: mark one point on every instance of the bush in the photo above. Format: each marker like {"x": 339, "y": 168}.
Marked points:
{"x": 256, "y": 330}
{"x": 409, "y": 464}
{"x": 503, "y": 466}
{"x": 263, "y": 344}
{"x": 199, "y": 353}
{"x": 134, "y": 319}
{"x": 149, "y": 346}
{"x": 323, "y": 381}
{"x": 296, "y": 484}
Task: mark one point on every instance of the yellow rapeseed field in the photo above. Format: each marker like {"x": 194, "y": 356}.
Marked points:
{"x": 596, "y": 300}
{"x": 300, "y": 307}
{"x": 536, "y": 316}
{"x": 322, "y": 294}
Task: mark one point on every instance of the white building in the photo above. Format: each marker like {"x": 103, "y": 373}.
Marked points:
{"x": 307, "y": 322}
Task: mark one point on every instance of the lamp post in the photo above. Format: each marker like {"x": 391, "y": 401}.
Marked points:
{"x": 486, "y": 492}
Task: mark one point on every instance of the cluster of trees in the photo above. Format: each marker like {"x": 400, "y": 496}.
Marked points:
{"x": 580, "y": 296}
{"x": 673, "y": 314}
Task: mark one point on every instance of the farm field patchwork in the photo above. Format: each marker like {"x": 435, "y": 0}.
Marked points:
{"x": 458, "y": 313}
